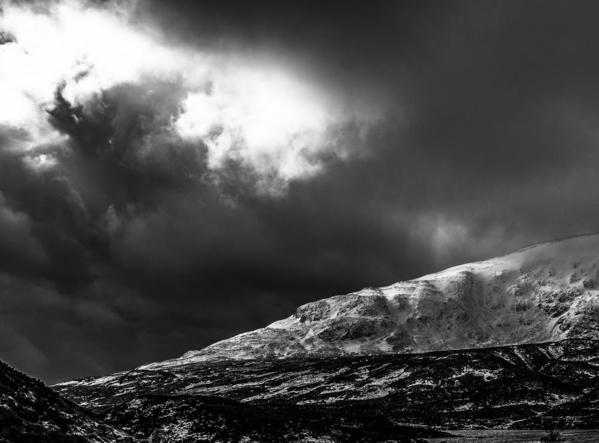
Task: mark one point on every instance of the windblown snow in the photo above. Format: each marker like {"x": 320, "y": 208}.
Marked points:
{"x": 541, "y": 293}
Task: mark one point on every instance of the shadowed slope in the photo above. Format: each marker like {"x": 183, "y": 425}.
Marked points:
{"x": 30, "y": 411}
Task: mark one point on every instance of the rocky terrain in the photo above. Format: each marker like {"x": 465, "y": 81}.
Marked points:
{"x": 546, "y": 292}
{"x": 369, "y": 398}
{"x": 32, "y": 412}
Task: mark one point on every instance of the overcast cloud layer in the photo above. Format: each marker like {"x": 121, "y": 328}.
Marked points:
{"x": 173, "y": 173}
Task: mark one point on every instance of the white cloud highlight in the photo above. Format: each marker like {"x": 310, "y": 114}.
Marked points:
{"x": 249, "y": 111}
{"x": 264, "y": 118}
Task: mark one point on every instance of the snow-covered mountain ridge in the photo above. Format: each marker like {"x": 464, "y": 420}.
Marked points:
{"x": 545, "y": 292}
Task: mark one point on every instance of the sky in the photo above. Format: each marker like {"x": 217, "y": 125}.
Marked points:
{"x": 174, "y": 173}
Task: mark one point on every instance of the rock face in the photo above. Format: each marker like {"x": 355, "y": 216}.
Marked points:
{"x": 32, "y": 412}
{"x": 541, "y": 293}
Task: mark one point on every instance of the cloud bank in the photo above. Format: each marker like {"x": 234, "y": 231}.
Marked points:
{"x": 238, "y": 109}
{"x": 173, "y": 173}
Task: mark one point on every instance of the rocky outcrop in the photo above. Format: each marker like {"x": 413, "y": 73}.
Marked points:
{"x": 32, "y": 412}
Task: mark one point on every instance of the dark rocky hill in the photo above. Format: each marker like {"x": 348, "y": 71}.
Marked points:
{"x": 32, "y": 412}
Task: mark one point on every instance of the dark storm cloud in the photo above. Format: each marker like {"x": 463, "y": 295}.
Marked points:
{"x": 132, "y": 249}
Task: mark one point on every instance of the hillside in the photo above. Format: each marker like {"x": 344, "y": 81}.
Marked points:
{"x": 32, "y": 412}
{"x": 367, "y": 398}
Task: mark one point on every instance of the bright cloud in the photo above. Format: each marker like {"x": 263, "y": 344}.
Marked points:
{"x": 251, "y": 112}
{"x": 262, "y": 117}
{"x": 82, "y": 50}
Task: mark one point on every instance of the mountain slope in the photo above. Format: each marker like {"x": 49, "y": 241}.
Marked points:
{"x": 541, "y": 293}
{"x": 32, "y": 412}
{"x": 341, "y": 399}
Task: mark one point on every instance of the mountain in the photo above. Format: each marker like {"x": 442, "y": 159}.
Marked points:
{"x": 32, "y": 412}
{"x": 507, "y": 343}
{"x": 354, "y": 398}
{"x": 541, "y": 293}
